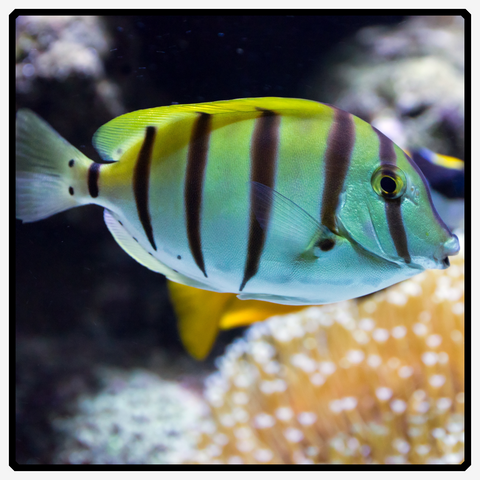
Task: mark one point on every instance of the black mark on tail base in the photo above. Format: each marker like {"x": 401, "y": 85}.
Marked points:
{"x": 93, "y": 174}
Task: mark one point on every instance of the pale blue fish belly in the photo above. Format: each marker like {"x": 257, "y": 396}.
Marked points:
{"x": 283, "y": 200}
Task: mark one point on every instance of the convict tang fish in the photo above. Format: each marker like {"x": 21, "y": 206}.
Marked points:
{"x": 283, "y": 200}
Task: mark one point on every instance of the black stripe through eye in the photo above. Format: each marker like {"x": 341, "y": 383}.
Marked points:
{"x": 393, "y": 208}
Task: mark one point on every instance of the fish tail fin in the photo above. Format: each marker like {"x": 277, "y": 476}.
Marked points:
{"x": 50, "y": 172}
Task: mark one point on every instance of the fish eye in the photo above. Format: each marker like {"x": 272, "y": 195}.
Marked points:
{"x": 389, "y": 182}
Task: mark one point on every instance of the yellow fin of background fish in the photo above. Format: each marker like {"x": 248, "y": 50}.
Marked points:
{"x": 198, "y": 315}
{"x": 445, "y": 161}
{"x": 448, "y": 162}
{"x": 117, "y": 136}
{"x": 201, "y": 314}
{"x": 240, "y": 313}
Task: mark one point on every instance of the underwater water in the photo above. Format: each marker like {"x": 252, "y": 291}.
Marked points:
{"x": 81, "y": 303}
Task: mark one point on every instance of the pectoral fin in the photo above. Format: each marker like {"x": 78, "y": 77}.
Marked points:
{"x": 293, "y": 230}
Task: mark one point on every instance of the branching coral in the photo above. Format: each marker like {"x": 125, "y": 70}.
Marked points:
{"x": 378, "y": 381}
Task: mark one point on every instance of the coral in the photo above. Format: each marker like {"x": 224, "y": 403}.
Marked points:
{"x": 59, "y": 46}
{"x": 380, "y": 380}
{"x": 136, "y": 418}
{"x": 64, "y": 48}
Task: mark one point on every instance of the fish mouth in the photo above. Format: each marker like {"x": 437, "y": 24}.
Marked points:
{"x": 442, "y": 264}
{"x": 439, "y": 260}
{"x": 435, "y": 263}
{"x": 450, "y": 247}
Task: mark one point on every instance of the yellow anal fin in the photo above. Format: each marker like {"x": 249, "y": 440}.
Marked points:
{"x": 198, "y": 316}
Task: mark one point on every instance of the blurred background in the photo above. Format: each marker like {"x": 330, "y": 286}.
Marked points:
{"x": 94, "y": 326}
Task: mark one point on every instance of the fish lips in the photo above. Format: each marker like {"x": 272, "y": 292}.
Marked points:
{"x": 439, "y": 260}
{"x": 449, "y": 248}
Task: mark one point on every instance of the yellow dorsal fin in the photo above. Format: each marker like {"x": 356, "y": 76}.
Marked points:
{"x": 115, "y": 137}
{"x": 198, "y": 316}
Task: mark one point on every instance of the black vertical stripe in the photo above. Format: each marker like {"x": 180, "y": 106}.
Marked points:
{"x": 340, "y": 142}
{"x": 263, "y": 159}
{"x": 393, "y": 208}
{"x": 194, "y": 179}
{"x": 393, "y": 211}
{"x": 141, "y": 182}
{"x": 93, "y": 174}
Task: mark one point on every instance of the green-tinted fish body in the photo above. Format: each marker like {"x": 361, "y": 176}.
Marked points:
{"x": 283, "y": 200}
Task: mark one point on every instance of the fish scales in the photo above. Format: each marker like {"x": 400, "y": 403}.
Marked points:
{"x": 283, "y": 200}
{"x": 229, "y": 217}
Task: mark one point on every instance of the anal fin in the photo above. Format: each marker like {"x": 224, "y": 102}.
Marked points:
{"x": 127, "y": 241}
{"x": 280, "y": 299}
{"x": 294, "y": 231}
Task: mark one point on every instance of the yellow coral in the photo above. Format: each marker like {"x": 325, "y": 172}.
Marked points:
{"x": 380, "y": 380}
